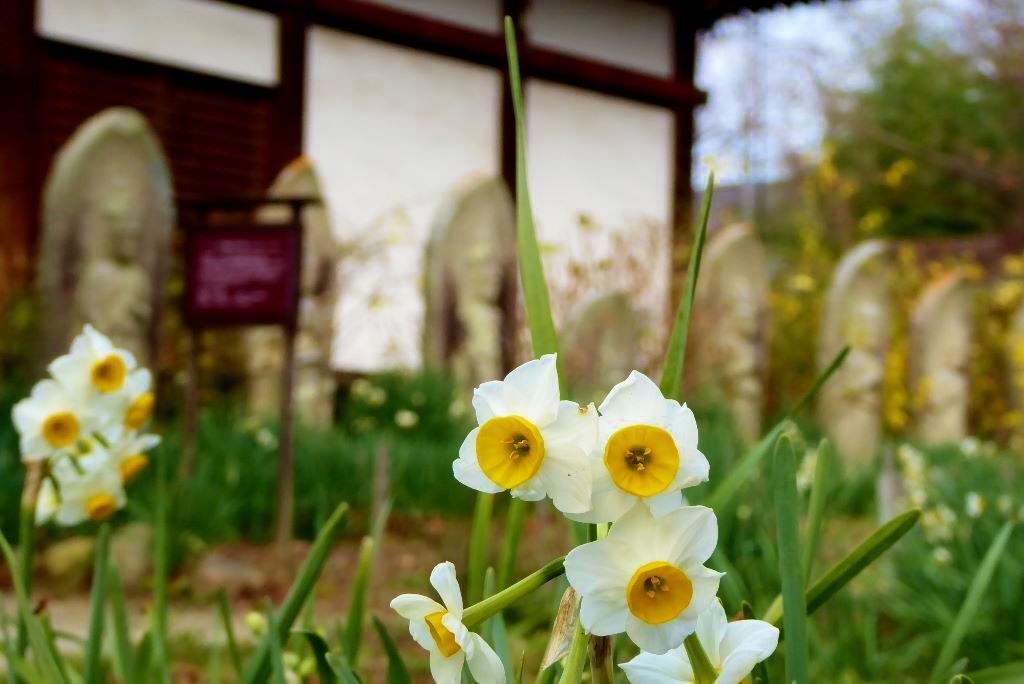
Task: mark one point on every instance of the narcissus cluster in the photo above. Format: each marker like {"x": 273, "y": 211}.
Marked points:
{"x": 84, "y": 427}
{"x": 624, "y": 463}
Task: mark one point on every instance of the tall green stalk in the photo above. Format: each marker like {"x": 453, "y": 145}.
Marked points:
{"x": 93, "y": 665}
{"x": 703, "y": 670}
{"x": 34, "y": 474}
{"x": 479, "y": 612}
{"x": 160, "y": 570}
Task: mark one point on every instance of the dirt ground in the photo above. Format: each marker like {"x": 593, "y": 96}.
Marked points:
{"x": 252, "y": 574}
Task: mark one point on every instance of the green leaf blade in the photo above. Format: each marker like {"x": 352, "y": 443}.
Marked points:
{"x": 305, "y": 582}
{"x": 398, "y": 673}
{"x": 93, "y": 665}
{"x": 787, "y": 510}
{"x": 675, "y": 355}
{"x": 965, "y": 617}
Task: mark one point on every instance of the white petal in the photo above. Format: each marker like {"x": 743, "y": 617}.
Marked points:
{"x": 682, "y": 425}
{"x": 603, "y": 617}
{"x": 637, "y": 400}
{"x": 565, "y": 475}
{"x": 70, "y": 369}
{"x": 662, "y": 504}
{"x": 638, "y": 532}
{"x": 599, "y": 570}
{"x": 693, "y": 469}
{"x": 93, "y": 340}
{"x": 466, "y": 467}
{"x": 443, "y": 579}
{"x": 420, "y": 633}
{"x": 608, "y": 503}
{"x": 658, "y": 639}
{"x": 711, "y": 626}
{"x": 484, "y": 663}
{"x": 489, "y": 401}
{"x": 33, "y": 448}
{"x": 459, "y": 632}
{"x": 531, "y": 490}
{"x": 414, "y": 607}
{"x": 746, "y": 643}
{"x": 574, "y": 426}
{"x": 688, "y": 535}
{"x": 705, "y": 587}
{"x": 670, "y": 668}
{"x": 446, "y": 670}
{"x": 138, "y": 382}
{"x": 26, "y": 418}
{"x": 531, "y": 390}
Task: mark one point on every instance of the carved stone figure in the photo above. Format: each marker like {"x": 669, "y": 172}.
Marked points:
{"x": 318, "y": 297}
{"x": 107, "y": 220}
{"x": 730, "y": 314}
{"x": 470, "y": 283}
{"x": 940, "y": 339}
{"x": 858, "y": 313}
{"x": 597, "y": 342}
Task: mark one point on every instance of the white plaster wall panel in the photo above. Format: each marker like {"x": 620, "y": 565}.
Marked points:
{"x": 600, "y": 171}
{"x": 629, "y": 33}
{"x": 482, "y": 15}
{"x": 392, "y": 131}
{"x": 209, "y": 37}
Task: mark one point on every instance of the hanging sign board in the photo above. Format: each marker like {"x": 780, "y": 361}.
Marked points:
{"x": 242, "y": 275}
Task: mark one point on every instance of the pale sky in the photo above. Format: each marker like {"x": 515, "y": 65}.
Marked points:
{"x": 761, "y": 72}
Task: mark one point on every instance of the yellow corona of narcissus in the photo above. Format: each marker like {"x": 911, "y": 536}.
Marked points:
{"x": 529, "y": 441}
{"x": 646, "y": 452}
{"x": 647, "y": 577}
{"x": 733, "y": 649}
{"x": 438, "y": 629}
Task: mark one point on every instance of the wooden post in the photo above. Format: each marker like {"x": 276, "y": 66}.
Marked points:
{"x": 685, "y": 45}
{"x": 381, "y": 477}
{"x": 285, "y": 459}
{"x": 190, "y": 432}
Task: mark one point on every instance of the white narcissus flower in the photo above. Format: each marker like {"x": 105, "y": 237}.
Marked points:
{"x": 439, "y": 629}
{"x": 529, "y": 441}
{"x": 646, "y": 451}
{"x": 138, "y": 398}
{"x": 733, "y": 648}
{"x": 49, "y": 419}
{"x": 87, "y": 487}
{"x": 94, "y": 367}
{"x": 647, "y": 577}
{"x": 128, "y": 451}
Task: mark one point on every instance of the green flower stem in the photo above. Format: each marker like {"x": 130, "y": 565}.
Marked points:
{"x": 479, "y": 535}
{"x": 34, "y": 474}
{"x": 514, "y": 520}
{"x": 703, "y": 670}
{"x": 478, "y": 612}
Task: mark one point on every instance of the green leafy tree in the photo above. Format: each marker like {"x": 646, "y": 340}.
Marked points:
{"x": 934, "y": 145}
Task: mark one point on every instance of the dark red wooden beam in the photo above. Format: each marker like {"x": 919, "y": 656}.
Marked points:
{"x": 684, "y": 41}
{"x": 18, "y": 160}
{"x": 488, "y": 49}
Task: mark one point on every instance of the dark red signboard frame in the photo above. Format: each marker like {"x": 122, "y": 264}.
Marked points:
{"x": 242, "y": 275}
{"x": 243, "y": 272}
